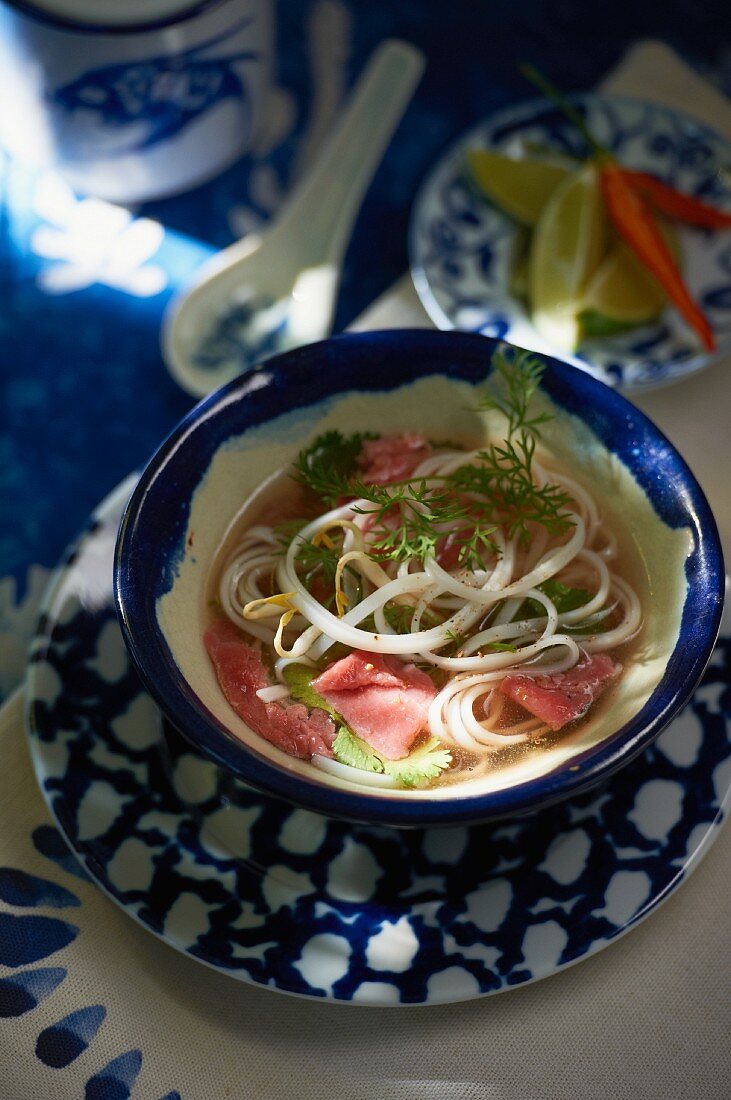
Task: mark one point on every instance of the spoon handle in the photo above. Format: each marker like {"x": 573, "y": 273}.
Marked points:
{"x": 327, "y": 202}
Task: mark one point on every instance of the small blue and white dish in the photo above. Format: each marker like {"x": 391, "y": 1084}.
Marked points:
{"x": 462, "y": 247}
{"x": 395, "y": 381}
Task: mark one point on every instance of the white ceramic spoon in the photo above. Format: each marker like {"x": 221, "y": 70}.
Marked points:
{"x": 275, "y": 291}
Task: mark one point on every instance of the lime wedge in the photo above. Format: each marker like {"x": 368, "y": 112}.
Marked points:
{"x": 623, "y": 290}
{"x": 569, "y": 243}
{"x": 521, "y": 188}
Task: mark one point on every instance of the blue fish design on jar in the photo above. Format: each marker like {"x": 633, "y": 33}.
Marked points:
{"x": 146, "y": 102}
{"x": 134, "y": 113}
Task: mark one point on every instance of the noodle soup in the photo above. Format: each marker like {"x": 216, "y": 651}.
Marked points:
{"x": 406, "y": 613}
{"x": 336, "y": 415}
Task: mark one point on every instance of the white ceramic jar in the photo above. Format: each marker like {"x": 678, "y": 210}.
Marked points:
{"x": 135, "y": 101}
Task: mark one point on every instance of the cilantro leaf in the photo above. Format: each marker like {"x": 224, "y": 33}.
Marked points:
{"x": 349, "y": 749}
{"x": 420, "y": 766}
{"x": 564, "y": 597}
{"x": 298, "y": 679}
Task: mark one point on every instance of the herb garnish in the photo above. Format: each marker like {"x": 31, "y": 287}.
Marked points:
{"x": 298, "y": 679}
{"x": 517, "y": 379}
{"x": 318, "y": 557}
{"x": 503, "y": 477}
{"x": 409, "y": 518}
{"x": 565, "y": 599}
{"x": 322, "y": 556}
{"x": 327, "y": 464}
{"x": 561, "y": 595}
{"x": 399, "y": 616}
{"x": 421, "y": 765}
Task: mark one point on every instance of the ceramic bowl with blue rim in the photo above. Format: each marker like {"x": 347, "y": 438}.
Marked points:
{"x": 390, "y": 382}
{"x": 463, "y": 249}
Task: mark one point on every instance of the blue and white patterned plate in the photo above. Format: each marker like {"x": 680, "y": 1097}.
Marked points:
{"x": 294, "y": 901}
{"x": 462, "y": 248}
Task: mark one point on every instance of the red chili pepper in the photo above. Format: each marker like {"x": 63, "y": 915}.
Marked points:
{"x": 632, "y": 216}
{"x": 684, "y": 208}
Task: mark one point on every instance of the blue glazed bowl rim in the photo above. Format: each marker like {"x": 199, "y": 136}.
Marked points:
{"x": 299, "y": 379}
